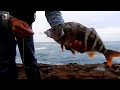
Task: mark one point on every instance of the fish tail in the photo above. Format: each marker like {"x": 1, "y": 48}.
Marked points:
{"x": 109, "y": 55}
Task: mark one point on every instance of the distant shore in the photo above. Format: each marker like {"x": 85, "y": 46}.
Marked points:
{"x": 75, "y": 71}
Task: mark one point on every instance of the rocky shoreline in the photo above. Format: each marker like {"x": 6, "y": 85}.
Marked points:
{"x": 75, "y": 71}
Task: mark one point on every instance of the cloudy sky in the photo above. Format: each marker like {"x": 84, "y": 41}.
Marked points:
{"x": 106, "y": 23}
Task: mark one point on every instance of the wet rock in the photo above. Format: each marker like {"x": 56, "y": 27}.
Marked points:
{"x": 75, "y": 71}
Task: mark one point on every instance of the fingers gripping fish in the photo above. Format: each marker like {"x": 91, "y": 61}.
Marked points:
{"x": 88, "y": 36}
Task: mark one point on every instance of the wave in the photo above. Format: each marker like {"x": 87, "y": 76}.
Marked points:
{"x": 41, "y": 48}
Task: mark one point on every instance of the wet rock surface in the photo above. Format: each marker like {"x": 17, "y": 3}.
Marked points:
{"x": 75, "y": 71}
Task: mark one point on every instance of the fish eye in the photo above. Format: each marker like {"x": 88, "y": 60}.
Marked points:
{"x": 53, "y": 29}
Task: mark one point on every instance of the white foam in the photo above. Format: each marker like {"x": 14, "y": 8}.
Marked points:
{"x": 40, "y": 48}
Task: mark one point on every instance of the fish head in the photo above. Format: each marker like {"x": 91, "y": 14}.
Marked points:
{"x": 55, "y": 33}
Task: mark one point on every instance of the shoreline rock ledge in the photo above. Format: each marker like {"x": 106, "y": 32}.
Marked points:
{"x": 75, "y": 71}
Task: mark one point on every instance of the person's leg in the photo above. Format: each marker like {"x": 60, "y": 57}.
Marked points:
{"x": 27, "y": 52}
{"x": 8, "y": 68}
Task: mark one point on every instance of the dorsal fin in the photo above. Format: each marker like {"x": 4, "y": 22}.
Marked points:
{"x": 94, "y": 31}
{"x": 90, "y": 54}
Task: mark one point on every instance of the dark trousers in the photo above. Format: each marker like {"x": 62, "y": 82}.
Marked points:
{"x": 8, "y": 44}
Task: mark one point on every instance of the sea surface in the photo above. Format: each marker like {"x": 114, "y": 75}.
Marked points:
{"x": 51, "y": 53}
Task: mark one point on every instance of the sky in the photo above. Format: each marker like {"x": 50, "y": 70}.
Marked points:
{"x": 106, "y": 23}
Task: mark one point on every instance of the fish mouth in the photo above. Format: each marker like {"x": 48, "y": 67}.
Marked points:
{"x": 46, "y": 32}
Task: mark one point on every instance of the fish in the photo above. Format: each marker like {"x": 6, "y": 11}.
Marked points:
{"x": 68, "y": 32}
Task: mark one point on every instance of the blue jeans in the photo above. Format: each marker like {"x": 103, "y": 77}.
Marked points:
{"x": 8, "y": 44}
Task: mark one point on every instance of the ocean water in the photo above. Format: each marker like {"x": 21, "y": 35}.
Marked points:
{"x": 51, "y": 53}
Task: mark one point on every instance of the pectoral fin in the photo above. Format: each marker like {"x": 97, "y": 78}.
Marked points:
{"x": 90, "y": 54}
{"x": 62, "y": 48}
{"x": 73, "y": 51}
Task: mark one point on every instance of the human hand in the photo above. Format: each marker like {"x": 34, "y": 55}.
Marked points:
{"x": 76, "y": 46}
{"x": 20, "y": 28}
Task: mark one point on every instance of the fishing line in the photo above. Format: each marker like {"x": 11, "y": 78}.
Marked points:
{"x": 24, "y": 66}
{"x": 23, "y": 57}
{"x": 23, "y": 52}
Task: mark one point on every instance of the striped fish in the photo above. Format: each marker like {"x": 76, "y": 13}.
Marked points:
{"x": 88, "y": 36}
